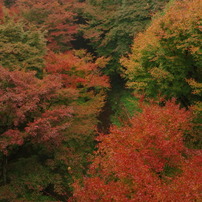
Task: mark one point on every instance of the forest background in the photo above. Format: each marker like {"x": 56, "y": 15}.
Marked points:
{"x": 100, "y": 100}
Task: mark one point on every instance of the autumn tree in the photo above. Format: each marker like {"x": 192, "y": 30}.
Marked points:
{"x": 83, "y": 78}
{"x": 166, "y": 58}
{"x": 29, "y": 120}
{"x": 48, "y": 116}
{"x": 56, "y": 17}
{"x": 49, "y": 125}
{"x": 145, "y": 161}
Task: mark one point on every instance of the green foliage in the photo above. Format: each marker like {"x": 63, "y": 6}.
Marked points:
{"x": 48, "y": 125}
{"x": 111, "y": 25}
{"x": 56, "y": 17}
{"x": 48, "y": 119}
{"x": 124, "y": 106}
{"x": 9, "y": 3}
{"x": 168, "y": 54}
{"x": 20, "y": 48}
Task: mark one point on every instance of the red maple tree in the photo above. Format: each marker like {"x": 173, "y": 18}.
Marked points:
{"x": 57, "y": 113}
{"x": 27, "y": 108}
{"x": 146, "y": 161}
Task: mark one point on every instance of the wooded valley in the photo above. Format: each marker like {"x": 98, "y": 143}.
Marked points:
{"x": 101, "y": 100}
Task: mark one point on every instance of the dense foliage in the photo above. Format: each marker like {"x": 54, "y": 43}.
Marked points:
{"x": 56, "y": 17}
{"x": 48, "y": 116}
{"x": 109, "y": 28}
{"x": 168, "y": 55}
{"x": 111, "y": 25}
{"x": 145, "y": 161}
{"x": 20, "y": 48}
{"x": 57, "y": 104}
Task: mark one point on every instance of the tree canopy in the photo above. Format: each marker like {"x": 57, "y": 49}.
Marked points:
{"x": 20, "y": 48}
{"x": 111, "y": 25}
{"x": 56, "y": 17}
{"x": 145, "y": 161}
{"x": 167, "y": 55}
{"x": 71, "y": 130}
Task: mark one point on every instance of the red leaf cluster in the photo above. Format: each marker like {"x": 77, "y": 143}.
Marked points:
{"x": 26, "y": 101}
{"x": 53, "y": 16}
{"x": 50, "y": 125}
{"x": 76, "y": 71}
{"x": 11, "y": 137}
{"x": 146, "y": 161}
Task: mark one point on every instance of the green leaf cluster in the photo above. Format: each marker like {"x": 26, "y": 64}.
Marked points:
{"x": 168, "y": 54}
{"x": 21, "y": 48}
{"x": 112, "y": 25}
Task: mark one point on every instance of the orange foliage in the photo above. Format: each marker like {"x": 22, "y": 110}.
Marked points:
{"x": 77, "y": 70}
{"x": 146, "y": 161}
{"x": 84, "y": 80}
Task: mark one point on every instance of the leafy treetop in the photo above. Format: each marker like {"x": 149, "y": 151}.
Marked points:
{"x": 145, "y": 161}
{"x": 168, "y": 54}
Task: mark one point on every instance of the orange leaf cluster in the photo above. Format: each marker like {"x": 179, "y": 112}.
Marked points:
{"x": 146, "y": 161}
